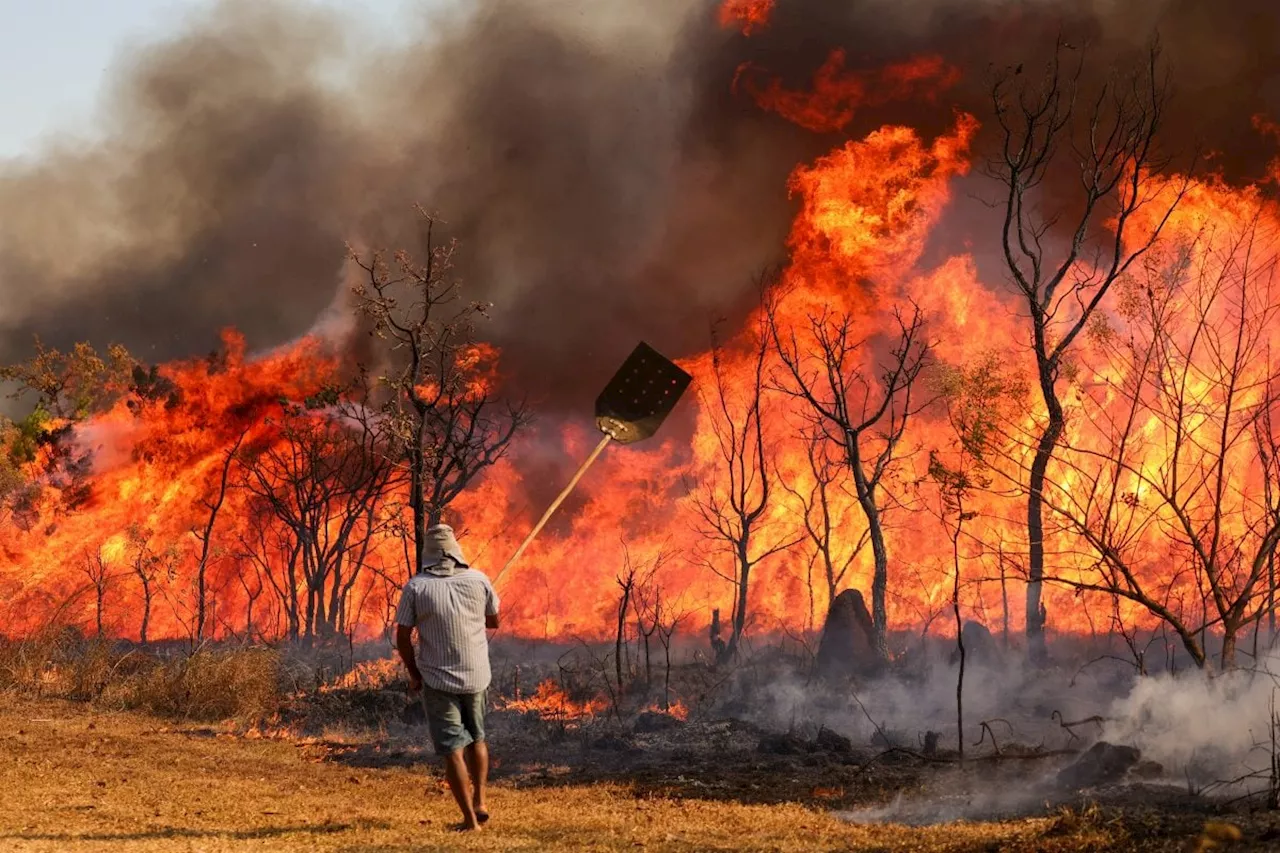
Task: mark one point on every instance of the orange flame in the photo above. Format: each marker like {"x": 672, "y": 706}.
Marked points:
{"x": 837, "y": 94}
{"x": 865, "y": 212}
{"x": 747, "y": 15}
{"x": 551, "y": 702}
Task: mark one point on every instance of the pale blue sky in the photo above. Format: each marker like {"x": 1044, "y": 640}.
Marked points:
{"x": 54, "y": 55}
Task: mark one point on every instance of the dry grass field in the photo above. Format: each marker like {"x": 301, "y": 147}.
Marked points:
{"x": 77, "y": 778}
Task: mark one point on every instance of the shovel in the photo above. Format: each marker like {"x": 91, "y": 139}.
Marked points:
{"x": 631, "y": 407}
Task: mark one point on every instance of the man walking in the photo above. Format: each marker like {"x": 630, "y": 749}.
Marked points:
{"x": 451, "y": 605}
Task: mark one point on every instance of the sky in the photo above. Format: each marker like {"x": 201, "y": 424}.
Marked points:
{"x": 55, "y": 56}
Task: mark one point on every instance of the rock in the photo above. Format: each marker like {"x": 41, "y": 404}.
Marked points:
{"x": 847, "y": 647}
{"x": 787, "y": 743}
{"x": 1147, "y": 769}
{"x": 829, "y": 741}
{"x": 980, "y": 646}
{"x": 1102, "y": 764}
{"x": 612, "y": 743}
{"x": 652, "y": 721}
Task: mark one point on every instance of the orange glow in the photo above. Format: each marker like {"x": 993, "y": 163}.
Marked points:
{"x": 865, "y": 212}
{"x": 747, "y": 15}
{"x": 837, "y": 94}
{"x": 550, "y": 702}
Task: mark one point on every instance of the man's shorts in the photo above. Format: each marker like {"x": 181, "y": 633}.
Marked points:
{"x": 456, "y": 720}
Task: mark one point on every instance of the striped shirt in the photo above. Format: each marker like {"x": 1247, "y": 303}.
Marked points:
{"x": 449, "y": 611}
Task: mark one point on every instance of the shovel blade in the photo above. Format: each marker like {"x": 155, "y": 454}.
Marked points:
{"x": 640, "y": 396}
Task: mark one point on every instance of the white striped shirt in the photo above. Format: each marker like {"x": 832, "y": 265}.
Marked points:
{"x": 449, "y": 612}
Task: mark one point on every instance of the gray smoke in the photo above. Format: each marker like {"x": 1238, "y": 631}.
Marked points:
{"x": 605, "y": 182}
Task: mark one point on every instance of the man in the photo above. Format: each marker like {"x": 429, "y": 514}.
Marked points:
{"x": 451, "y": 605}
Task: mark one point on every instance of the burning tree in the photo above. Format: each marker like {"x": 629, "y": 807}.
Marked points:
{"x": 732, "y": 504}
{"x": 822, "y": 518}
{"x": 863, "y": 418}
{"x": 75, "y": 384}
{"x": 1063, "y": 259}
{"x": 437, "y": 391}
{"x": 1179, "y": 464}
{"x": 322, "y": 482}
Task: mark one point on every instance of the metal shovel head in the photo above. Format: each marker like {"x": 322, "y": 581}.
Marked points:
{"x": 640, "y": 395}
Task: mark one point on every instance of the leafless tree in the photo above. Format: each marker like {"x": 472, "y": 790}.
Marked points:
{"x": 733, "y": 501}
{"x": 1063, "y": 259}
{"x": 322, "y": 481}
{"x": 148, "y": 565}
{"x": 98, "y": 571}
{"x": 1178, "y": 461}
{"x": 830, "y": 546}
{"x": 861, "y": 408}
{"x": 438, "y": 390}
{"x": 212, "y": 505}
{"x": 273, "y": 552}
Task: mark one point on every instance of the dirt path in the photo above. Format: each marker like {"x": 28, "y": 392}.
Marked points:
{"x": 78, "y": 779}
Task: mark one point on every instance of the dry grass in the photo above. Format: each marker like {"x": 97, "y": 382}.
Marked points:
{"x": 243, "y": 684}
{"x": 79, "y": 778}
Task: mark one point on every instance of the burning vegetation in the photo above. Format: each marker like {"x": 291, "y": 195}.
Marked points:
{"x": 1070, "y": 427}
{"x": 996, "y": 374}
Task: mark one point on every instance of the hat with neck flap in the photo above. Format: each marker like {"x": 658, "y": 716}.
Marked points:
{"x": 441, "y": 554}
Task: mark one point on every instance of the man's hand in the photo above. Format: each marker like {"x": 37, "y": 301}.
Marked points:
{"x": 404, "y": 645}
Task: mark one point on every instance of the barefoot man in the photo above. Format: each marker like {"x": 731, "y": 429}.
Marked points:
{"x": 451, "y": 605}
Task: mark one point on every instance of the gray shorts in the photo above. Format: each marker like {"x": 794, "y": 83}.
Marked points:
{"x": 456, "y": 720}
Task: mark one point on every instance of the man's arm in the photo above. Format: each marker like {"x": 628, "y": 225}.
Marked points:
{"x": 404, "y": 645}
{"x": 490, "y": 606}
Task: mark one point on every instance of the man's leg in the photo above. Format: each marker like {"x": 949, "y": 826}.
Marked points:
{"x": 444, "y": 717}
{"x": 477, "y": 755}
{"x": 455, "y": 770}
{"x": 471, "y": 708}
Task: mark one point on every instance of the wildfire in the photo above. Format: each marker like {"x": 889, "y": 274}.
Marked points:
{"x": 677, "y": 710}
{"x": 121, "y": 507}
{"x": 551, "y": 702}
{"x": 747, "y": 15}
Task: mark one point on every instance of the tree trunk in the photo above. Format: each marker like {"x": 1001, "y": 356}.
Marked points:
{"x": 146, "y": 610}
{"x": 1229, "y": 634}
{"x": 740, "y": 605}
{"x": 1036, "y": 647}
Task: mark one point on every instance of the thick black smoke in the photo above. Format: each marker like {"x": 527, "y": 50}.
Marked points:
{"x": 604, "y": 181}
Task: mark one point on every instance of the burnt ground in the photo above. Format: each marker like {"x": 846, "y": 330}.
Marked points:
{"x": 735, "y": 760}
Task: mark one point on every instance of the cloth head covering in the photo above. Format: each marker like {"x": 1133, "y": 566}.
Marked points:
{"x": 441, "y": 553}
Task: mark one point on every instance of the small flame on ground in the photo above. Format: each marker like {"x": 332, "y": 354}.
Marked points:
{"x": 551, "y": 702}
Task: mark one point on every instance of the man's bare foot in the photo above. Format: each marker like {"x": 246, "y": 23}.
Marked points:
{"x": 467, "y": 826}
{"x": 482, "y": 816}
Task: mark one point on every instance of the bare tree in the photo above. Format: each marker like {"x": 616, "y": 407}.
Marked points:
{"x": 273, "y": 550}
{"x": 204, "y": 534}
{"x": 829, "y": 543}
{"x": 438, "y": 390}
{"x": 148, "y": 565}
{"x": 322, "y": 480}
{"x": 1177, "y": 463}
{"x": 861, "y": 410}
{"x": 1063, "y": 260}
{"x": 98, "y": 571}
{"x": 732, "y": 503}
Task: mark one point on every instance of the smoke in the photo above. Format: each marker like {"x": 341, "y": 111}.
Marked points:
{"x": 605, "y": 183}
{"x": 1208, "y": 734}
